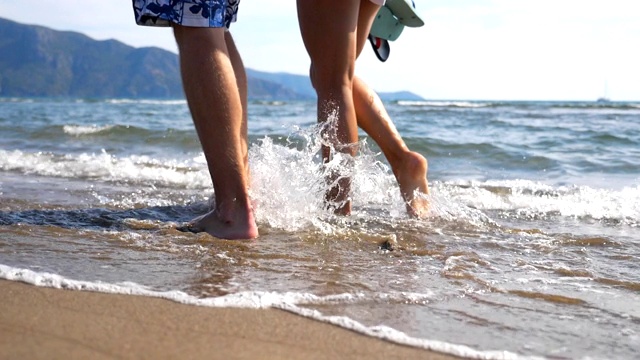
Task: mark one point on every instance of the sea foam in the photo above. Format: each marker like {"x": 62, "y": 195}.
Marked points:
{"x": 84, "y": 130}
{"x": 289, "y": 176}
{"x": 288, "y": 301}
{"x": 187, "y": 173}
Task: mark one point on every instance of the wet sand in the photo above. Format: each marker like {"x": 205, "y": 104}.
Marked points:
{"x": 45, "y": 323}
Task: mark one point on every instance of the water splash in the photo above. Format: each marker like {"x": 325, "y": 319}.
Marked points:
{"x": 288, "y": 180}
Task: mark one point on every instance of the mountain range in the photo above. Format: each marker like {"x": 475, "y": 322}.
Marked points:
{"x": 36, "y": 61}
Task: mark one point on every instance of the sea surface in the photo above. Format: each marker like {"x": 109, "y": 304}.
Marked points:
{"x": 531, "y": 248}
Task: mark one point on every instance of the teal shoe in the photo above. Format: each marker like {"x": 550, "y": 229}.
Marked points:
{"x": 405, "y": 11}
{"x": 389, "y": 23}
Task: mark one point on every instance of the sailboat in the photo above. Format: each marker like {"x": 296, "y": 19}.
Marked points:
{"x": 604, "y": 98}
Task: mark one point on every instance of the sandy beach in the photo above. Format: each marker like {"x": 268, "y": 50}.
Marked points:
{"x": 45, "y": 323}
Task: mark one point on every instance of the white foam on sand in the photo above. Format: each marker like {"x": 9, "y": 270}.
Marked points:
{"x": 288, "y": 301}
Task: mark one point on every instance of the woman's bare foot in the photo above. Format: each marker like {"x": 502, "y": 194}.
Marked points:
{"x": 411, "y": 174}
{"x": 233, "y": 221}
{"x": 337, "y": 198}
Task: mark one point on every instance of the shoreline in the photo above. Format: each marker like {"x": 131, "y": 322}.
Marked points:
{"x": 39, "y": 322}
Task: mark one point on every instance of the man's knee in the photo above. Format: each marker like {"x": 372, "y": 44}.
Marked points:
{"x": 199, "y": 37}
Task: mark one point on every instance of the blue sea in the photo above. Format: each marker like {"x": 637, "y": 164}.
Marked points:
{"x": 531, "y": 248}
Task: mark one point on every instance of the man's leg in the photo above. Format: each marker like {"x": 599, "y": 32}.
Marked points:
{"x": 216, "y": 107}
{"x": 241, "y": 81}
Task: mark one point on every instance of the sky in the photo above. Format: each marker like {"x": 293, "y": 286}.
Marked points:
{"x": 467, "y": 49}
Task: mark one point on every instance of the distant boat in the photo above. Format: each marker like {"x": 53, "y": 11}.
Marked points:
{"x": 605, "y": 97}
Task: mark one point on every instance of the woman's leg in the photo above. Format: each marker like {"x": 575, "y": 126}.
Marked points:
{"x": 409, "y": 168}
{"x": 328, "y": 29}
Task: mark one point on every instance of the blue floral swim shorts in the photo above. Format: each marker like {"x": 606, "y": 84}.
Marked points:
{"x": 195, "y": 13}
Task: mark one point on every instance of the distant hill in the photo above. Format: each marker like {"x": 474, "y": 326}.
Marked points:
{"x": 300, "y": 83}
{"x": 38, "y": 61}
{"x": 400, "y": 95}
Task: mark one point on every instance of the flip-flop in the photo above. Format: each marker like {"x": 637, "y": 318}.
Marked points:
{"x": 380, "y": 47}
{"x": 386, "y": 25}
{"x": 405, "y": 11}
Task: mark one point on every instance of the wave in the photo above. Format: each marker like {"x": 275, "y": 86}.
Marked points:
{"x": 140, "y": 169}
{"x": 596, "y": 105}
{"x": 15, "y": 100}
{"x": 124, "y": 138}
{"x": 584, "y": 105}
{"x": 292, "y": 302}
{"x": 180, "y": 102}
{"x": 525, "y": 199}
{"x": 289, "y": 174}
{"x": 452, "y": 104}
{"x": 115, "y": 132}
{"x": 84, "y": 129}
{"x": 269, "y": 102}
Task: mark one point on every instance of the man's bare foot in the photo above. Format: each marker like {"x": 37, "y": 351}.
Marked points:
{"x": 411, "y": 175}
{"x": 232, "y": 222}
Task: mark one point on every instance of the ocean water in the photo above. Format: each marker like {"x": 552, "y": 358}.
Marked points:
{"x": 531, "y": 248}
